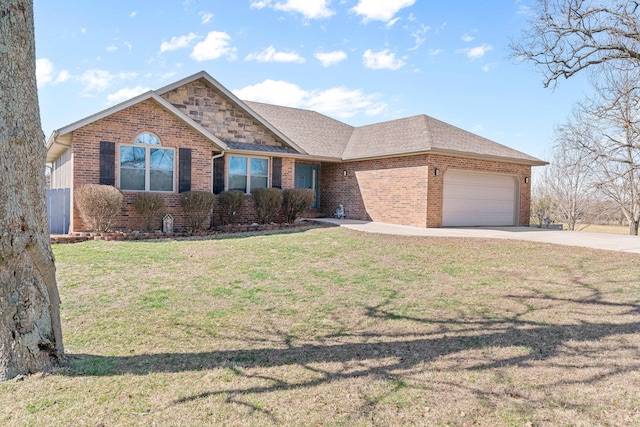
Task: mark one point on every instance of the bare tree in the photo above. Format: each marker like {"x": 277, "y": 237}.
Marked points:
{"x": 607, "y": 130}
{"x": 565, "y": 37}
{"x": 569, "y": 178}
{"x": 30, "y": 332}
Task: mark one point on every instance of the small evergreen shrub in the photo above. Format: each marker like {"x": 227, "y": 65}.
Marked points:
{"x": 98, "y": 205}
{"x": 197, "y": 205}
{"x": 151, "y": 207}
{"x": 295, "y": 201}
{"x": 230, "y": 206}
{"x": 267, "y": 202}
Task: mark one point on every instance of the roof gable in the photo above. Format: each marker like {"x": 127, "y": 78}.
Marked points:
{"x": 61, "y": 139}
{"x": 203, "y": 75}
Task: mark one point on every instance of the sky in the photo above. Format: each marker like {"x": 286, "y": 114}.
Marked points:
{"x": 358, "y": 61}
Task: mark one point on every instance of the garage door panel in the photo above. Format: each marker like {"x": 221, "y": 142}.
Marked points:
{"x": 476, "y": 199}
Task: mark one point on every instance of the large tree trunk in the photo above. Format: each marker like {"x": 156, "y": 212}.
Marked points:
{"x": 30, "y": 333}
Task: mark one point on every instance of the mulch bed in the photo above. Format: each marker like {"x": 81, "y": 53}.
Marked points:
{"x": 78, "y": 237}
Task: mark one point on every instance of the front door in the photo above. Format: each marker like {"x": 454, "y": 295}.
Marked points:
{"x": 307, "y": 177}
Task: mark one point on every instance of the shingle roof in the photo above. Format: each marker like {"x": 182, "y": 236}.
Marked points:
{"x": 259, "y": 147}
{"x": 320, "y": 135}
{"x": 310, "y": 130}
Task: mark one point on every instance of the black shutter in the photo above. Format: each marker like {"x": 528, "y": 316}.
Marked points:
{"x": 107, "y": 163}
{"x": 184, "y": 170}
{"x": 276, "y": 173}
{"x": 218, "y": 175}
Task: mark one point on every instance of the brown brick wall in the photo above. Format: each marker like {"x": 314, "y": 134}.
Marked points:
{"x": 404, "y": 190}
{"x": 122, "y": 128}
{"x": 371, "y": 189}
{"x": 210, "y": 108}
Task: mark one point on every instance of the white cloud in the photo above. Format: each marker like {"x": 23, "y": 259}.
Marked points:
{"x": 330, "y": 58}
{"x": 478, "y": 51}
{"x": 391, "y": 23}
{"x": 420, "y": 36}
{"x": 434, "y": 52}
{"x": 133, "y": 14}
{"x": 126, "y": 93}
{"x": 206, "y": 17}
{"x": 128, "y": 45}
{"x": 44, "y": 71}
{"x": 63, "y": 76}
{"x": 214, "y": 46}
{"x": 178, "y": 42}
{"x": 382, "y": 60}
{"x": 337, "y": 102}
{"x": 488, "y": 67}
{"x": 310, "y": 9}
{"x": 259, "y": 4}
{"x": 112, "y": 48}
{"x": 466, "y": 37}
{"x": 99, "y": 80}
{"x": 275, "y": 92}
{"x": 376, "y": 10}
{"x": 271, "y": 55}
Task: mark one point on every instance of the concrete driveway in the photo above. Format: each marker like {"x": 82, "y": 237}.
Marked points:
{"x": 609, "y": 242}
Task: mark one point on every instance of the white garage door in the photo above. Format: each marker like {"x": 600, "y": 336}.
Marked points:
{"x": 477, "y": 199}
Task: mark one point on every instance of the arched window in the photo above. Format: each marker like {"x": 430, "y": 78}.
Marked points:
{"x": 146, "y": 167}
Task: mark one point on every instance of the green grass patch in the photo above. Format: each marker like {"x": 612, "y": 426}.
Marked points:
{"x": 334, "y": 327}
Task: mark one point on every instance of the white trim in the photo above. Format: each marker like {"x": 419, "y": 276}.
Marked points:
{"x": 147, "y": 167}
{"x": 62, "y": 137}
{"x": 248, "y": 175}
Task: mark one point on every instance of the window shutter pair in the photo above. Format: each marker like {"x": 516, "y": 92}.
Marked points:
{"x": 108, "y": 166}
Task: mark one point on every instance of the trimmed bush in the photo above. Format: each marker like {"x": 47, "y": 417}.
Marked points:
{"x": 151, "y": 207}
{"x": 295, "y": 201}
{"x": 197, "y": 205}
{"x": 230, "y": 206}
{"x": 267, "y": 202}
{"x": 98, "y": 205}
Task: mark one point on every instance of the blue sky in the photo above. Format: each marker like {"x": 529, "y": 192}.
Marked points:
{"x": 359, "y": 61}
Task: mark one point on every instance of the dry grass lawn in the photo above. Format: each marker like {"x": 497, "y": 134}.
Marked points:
{"x": 597, "y": 228}
{"x": 330, "y": 327}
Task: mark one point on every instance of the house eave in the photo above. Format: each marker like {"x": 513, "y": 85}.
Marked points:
{"x": 61, "y": 139}
{"x": 283, "y": 155}
{"x": 452, "y": 153}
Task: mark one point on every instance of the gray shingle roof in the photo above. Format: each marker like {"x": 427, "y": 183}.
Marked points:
{"x": 320, "y": 135}
{"x": 258, "y": 147}
{"x": 310, "y": 130}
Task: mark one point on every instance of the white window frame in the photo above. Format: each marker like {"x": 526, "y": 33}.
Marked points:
{"x": 147, "y": 165}
{"x": 248, "y": 174}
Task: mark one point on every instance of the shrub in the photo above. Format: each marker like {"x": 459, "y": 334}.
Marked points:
{"x": 268, "y": 202}
{"x": 98, "y": 205}
{"x": 230, "y": 206}
{"x": 151, "y": 207}
{"x": 197, "y": 206}
{"x": 295, "y": 201}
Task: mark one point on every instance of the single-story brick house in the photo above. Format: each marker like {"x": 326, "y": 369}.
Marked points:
{"x": 195, "y": 135}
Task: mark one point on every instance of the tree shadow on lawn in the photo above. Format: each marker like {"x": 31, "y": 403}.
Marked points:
{"x": 542, "y": 341}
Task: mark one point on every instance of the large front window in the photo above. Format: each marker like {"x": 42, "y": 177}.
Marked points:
{"x": 248, "y": 173}
{"x": 146, "y": 167}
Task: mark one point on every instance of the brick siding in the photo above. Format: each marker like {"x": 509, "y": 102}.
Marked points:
{"x": 405, "y": 190}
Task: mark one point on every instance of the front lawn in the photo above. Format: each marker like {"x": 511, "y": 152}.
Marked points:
{"x": 333, "y": 327}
